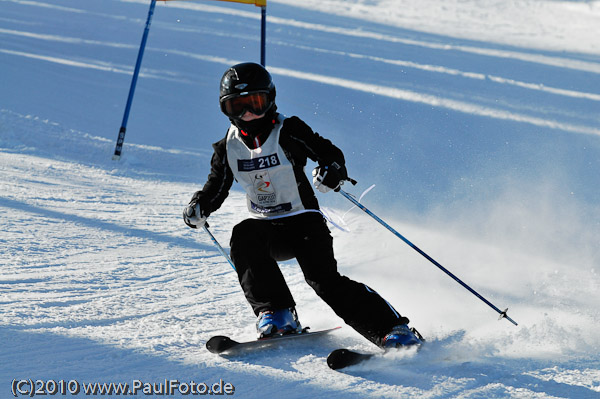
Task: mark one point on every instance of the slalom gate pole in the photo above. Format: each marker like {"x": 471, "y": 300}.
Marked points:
{"x": 136, "y": 71}
{"x": 503, "y": 314}
{"x": 263, "y": 34}
{"x": 219, "y": 247}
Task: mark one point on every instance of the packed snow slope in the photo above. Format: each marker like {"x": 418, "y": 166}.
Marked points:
{"x": 478, "y": 122}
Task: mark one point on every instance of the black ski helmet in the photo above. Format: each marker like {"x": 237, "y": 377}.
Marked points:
{"x": 246, "y": 78}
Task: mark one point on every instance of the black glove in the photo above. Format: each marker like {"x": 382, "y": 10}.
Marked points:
{"x": 193, "y": 215}
{"x": 330, "y": 177}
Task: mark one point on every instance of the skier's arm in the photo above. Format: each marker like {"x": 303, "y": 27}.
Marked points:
{"x": 332, "y": 165}
{"x": 317, "y": 148}
{"x": 220, "y": 179}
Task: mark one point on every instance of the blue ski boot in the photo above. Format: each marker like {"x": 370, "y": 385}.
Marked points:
{"x": 277, "y": 322}
{"x": 402, "y": 336}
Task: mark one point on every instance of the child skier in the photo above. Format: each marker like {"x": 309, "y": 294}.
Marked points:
{"x": 266, "y": 152}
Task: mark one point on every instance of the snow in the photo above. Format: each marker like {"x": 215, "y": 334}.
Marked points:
{"x": 477, "y": 121}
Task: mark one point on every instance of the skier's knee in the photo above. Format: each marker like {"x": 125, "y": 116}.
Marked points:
{"x": 325, "y": 283}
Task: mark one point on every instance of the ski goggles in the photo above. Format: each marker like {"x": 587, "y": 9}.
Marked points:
{"x": 256, "y": 102}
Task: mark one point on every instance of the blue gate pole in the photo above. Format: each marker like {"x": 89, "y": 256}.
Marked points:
{"x": 429, "y": 258}
{"x": 136, "y": 71}
{"x": 263, "y": 33}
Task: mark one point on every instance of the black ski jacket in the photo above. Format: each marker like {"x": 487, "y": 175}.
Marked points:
{"x": 298, "y": 142}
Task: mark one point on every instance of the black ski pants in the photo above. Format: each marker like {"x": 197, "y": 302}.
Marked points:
{"x": 257, "y": 245}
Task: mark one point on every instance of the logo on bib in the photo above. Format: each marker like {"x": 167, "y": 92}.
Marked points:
{"x": 265, "y": 194}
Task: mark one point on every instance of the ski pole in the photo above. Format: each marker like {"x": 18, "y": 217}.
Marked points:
{"x": 429, "y": 258}
{"x": 219, "y": 247}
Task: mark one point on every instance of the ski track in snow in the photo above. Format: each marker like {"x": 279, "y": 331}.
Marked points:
{"x": 101, "y": 280}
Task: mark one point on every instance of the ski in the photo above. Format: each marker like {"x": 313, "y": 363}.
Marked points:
{"x": 221, "y": 343}
{"x": 341, "y": 358}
